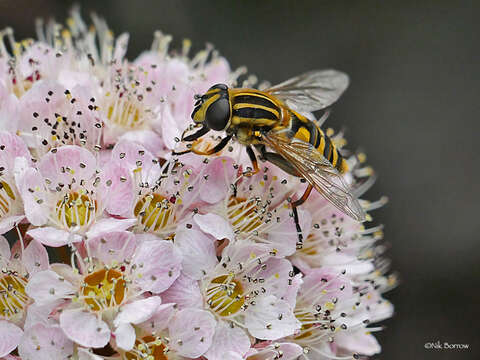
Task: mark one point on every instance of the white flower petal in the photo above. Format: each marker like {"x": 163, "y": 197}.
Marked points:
{"x": 156, "y": 276}
{"x": 53, "y": 237}
{"x": 125, "y": 336}
{"x": 271, "y": 319}
{"x": 198, "y": 252}
{"x": 227, "y": 339}
{"x": 43, "y": 342}
{"x": 47, "y": 286}
{"x": 35, "y": 257}
{"x": 138, "y": 311}
{"x": 10, "y": 335}
{"x": 85, "y": 328}
{"x": 104, "y": 226}
{"x": 191, "y": 332}
{"x": 214, "y": 225}
{"x": 184, "y": 292}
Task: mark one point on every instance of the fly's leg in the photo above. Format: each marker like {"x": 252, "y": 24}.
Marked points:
{"x": 197, "y": 134}
{"x": 215, "y": 149}
{"x": 192, "y": 137}
{"x": 278, "y": 160}
{"x": 283, "y": 164}
{"x": 254, "y": 161}
{"x": 295, "y": 204}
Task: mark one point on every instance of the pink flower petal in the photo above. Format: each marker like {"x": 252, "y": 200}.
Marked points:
{"x": 47, "y": 286}
{"x": 151, "y": 140}
{"x": 290, "y": 295}
{"x": 7, "y": 223}
{"x": 85, "y": 328}
{"x": 184, "y": 292}
{"x": 198, "y": 252}
{"x": 138, "y": 311}
{"x": 125, "y": 336}
{"x": 327, "y": 281}
{"x": 43, "y": 342}
{"x": 80, "y": 162}
{"x": 283, "y": 235}
{"x": 227, "y": 339}
{"x": 104, "y": 226}
{"x": 271, "y": 319}
{"x": 132, "y": 156}
{"x": 35, "y": 202}
{"x": 289, "y": 351}
{"x": 121, "y": 196}
{"x": 358, "y": 342}
{"x": 160, "y": 320}
{"x": 9, "y": 112}
{"x": 4, "y": 249}
{"x": 214, "y": 225}
{"x": 276, "y": 272}
{"x": 191, "y": 332}
{"x": 220, "y": 171}
{"x": 113, "y": 246}
{"x": 13, "y": 147}
{"x": 157, "y": 275}
{"x": 10, "y": 335}
{"x": 53, "y": 237}
{"x": 35, "y": 257}
{"x": 86, "y": 354}
{"x": 39, "y": 314}
{"x": 231, "y": 355}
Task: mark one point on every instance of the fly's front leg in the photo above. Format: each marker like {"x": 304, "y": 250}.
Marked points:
{"x": 192, "y": 137}
{"x": 215, "y": 149}
{"x": 197, "y": 134}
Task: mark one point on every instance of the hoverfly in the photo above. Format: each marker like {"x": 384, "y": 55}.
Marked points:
{"x": 272, "y": 118}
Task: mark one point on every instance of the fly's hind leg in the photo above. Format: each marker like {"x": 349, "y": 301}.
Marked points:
{"x": 283, "y": 164}
{"x": 295, "y": 204}
{"x": 254, "y": 161}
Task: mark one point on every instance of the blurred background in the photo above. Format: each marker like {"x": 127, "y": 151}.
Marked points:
{"x": 412, "y": 106}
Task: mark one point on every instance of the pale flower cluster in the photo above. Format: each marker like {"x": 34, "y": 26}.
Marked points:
{"x": 125, "y": 252}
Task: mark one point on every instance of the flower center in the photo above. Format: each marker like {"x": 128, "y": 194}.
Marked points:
{"x": 103, "y": 289}
{"x": 7, "y": 196}
{"x": 310, "y": 246}
{"x": 224, "y": 295}
{"x": 153, "y": 211}
{"x": 308, "y": 325}
{"x": 242, "y": 214}
{"x": 76, "y": 210}
{"x": 126, "y": 112}
{"x": 147, "y": 348}
{"x": 13, "y": 298}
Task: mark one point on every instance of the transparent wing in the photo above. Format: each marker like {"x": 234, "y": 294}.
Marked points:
{"x": 318, "y": 171}
{"x": 312, "y": 91}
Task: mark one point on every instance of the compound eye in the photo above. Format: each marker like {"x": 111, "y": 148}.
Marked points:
{"x": 217, "y": 114}
{"x": 219, "y": 86}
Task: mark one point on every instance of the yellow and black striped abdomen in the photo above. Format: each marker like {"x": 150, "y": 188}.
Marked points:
{"x": 254, "y": 109}
{"x": 306, "y": 130}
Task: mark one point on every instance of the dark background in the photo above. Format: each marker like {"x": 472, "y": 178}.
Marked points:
{"x": 412, "y": 106}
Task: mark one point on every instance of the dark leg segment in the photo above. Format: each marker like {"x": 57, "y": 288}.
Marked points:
{"x": 295, "y": 204}
{"x": 216, "y": 148}
{"x": 278, "y": 160}
{"x": 254, "y": 161}
{"x": 197, "y": 134}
